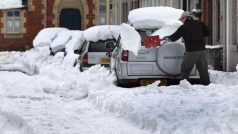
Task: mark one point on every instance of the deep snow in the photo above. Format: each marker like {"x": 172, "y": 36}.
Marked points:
{"x": 56, "y": 98}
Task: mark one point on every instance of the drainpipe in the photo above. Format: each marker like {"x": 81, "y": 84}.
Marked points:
{"x": 227, "y": 35}
{"x": 107, "y": 12}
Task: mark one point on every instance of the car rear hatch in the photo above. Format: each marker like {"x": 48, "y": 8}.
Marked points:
{"x": 144, "y": 63}
{"x": 98, "y": 52}
{"x": 98, "y": 58}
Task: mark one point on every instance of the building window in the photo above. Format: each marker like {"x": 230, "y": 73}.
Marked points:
{"x": 102, "y": 12}
{"x": 13, "y": 21}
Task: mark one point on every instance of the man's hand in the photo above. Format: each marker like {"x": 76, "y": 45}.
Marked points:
{"x": 165, "y": 38}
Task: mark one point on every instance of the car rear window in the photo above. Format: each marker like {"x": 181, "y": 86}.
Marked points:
{"x": 99, "y": 46}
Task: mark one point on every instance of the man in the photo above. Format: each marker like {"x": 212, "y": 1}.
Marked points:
{"x": 193, "y": 33}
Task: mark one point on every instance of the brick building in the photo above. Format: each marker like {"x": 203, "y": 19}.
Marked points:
{"x": 19, "y": 26}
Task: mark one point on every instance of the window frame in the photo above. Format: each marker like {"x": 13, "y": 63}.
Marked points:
{"x": 15, "y": 21}
{"x": 102, "y": 15}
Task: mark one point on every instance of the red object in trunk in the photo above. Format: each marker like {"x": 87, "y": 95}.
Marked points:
{"x": 151, "y": 41}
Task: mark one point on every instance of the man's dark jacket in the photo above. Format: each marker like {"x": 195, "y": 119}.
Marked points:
{"x": 193, "y": 33}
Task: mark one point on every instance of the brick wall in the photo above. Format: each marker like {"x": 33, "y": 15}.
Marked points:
{"x": 32, "y": 24}
{"x": 50, "y": 15}
{"x": 90, "y": 16}
{"x": 35, "y": 19}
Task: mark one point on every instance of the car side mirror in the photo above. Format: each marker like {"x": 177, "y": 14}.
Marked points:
{"x": 110, "y": 45}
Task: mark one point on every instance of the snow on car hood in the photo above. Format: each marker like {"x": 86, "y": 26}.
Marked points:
{"x": 130, "y": 38}
{"x": 101, "y": 32}
{"x": 154, "y": 17}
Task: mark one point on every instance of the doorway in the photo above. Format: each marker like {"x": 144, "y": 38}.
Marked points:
{"x": 70, "y": 18}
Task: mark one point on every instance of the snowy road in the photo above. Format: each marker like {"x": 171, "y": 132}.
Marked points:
{"x": 65, "y": 117}
{"x": 52, "y": 114}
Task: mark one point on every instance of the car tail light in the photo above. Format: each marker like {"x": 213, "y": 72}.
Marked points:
{"x": 85, "y": 58}
{"x": 124, "y": 55}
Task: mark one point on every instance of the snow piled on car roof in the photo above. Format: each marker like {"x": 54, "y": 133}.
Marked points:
{"x": 8, "y": 4}
{"x": 46, "y": 36}
{"x": 102, "y": 32}
{"x": 154, "y": 17}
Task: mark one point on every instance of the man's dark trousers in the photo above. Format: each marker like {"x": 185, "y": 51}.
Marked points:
{"x": 197, "y": 58}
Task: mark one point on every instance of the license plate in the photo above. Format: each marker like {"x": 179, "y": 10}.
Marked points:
{"x": 144, "y": 82}
{"x": 104, "y": 60}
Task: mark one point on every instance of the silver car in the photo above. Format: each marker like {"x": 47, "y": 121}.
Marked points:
{"x": 151, "y": 64}
{"x": 92, "y": 53}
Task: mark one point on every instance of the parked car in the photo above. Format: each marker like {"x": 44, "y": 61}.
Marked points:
{"x": 151, "y": 63}
{"x": 93, "y": 53}
{"x": 155, "y": 63}
{"x": 100, "y": 42}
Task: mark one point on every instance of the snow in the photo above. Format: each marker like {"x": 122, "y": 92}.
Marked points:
{"x": 76, "y": 42}
{"x": 101, "y": 32}
{"x": 8, "y": 4}
{"x": 167, "y": 31}
{"x": 130, "y": 38}
{"x": 154, "y": 17}
{"x": 61, "y": 99}
{"x": 46, "y": 36}
{"x": 61, "y": 38}
{"x": 214, "y": 46}
{"x": 13, "y": 124}
{"x": 59, "y": 42}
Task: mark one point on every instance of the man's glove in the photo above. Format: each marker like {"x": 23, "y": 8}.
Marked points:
{"x": 166, "y": 39}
